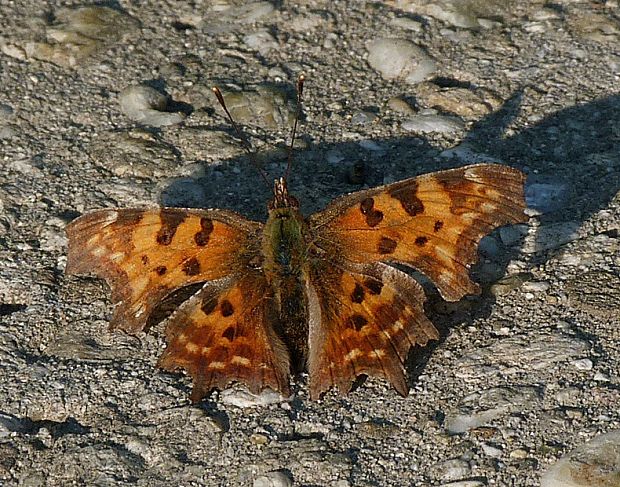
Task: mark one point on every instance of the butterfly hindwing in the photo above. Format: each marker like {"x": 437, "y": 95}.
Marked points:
{"x": 225, "y": 334}
{"x": 363, "y": 320}
{"x": 144, "y": 255}
{"x": 432, "y": 223}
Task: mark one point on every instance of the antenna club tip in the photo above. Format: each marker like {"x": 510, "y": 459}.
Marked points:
{"x": 215, "y": 89}
{"x": 302, "y": 78}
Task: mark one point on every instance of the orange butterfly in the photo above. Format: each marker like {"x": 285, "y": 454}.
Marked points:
{"x": 297, "y": 293}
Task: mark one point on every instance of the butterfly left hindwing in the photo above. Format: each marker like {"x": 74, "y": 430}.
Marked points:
{"x": 225, "y": 333}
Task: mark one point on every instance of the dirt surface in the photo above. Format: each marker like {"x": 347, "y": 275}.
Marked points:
{"x": 522, "y": 374}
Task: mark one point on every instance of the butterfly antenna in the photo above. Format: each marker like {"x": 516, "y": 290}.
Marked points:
{"x": 300, "y": 92}
{"x": 244, "y": 141}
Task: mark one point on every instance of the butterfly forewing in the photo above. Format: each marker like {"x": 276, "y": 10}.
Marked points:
{"x": 432, "y": 223}
{"x": 144, "y": 255}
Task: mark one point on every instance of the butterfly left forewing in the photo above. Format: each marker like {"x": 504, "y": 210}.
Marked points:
{"x": 145, "y": 254}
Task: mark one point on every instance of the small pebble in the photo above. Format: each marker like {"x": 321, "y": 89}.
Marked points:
{"x": 583, "y": 364}
{"x": 400, "y": 105}
{"x": 146, "y": 105}
{"x": 433, "y": 123}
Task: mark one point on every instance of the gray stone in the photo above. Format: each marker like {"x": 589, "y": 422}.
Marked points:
{"x": 75, "y": 35}
{"x": 147, "y": 106}
{"x": 483, "y": 407}
{"x": 400, "y": 59}
{"x": 594, "y": 464}
{"x": 433, "y": 124}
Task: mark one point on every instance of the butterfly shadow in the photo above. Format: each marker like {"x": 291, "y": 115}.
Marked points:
{"x": 572, "y": 158}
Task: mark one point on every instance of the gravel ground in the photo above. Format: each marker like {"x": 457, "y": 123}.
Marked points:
{"x": 111, "y": 107}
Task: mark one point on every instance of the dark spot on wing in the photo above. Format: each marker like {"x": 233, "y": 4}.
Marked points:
{"x": 421, "y": 241}
{"x": 229, "y": 333}
{"x": 373, "y": 217}
{"x": 366, "y": 205}
{"x": 170, "y": 220}
{"x": 161, "y": 270}
{"x": 357, "y": 296}
{"x": 191, "y": 267}
{"x": 128, "y": 218}
{"x": 357, "y": 322}
{"x": 206, "y": 227}
{"x": 144, "y": 259}
{"x": 438, "y": 225}
{"x": 408, "y": 198}
{"x": 386, "y": 245}
{"x": 226, "y": 308}
{"x": 374, "y": 286}
{"x": 208, "y": 306}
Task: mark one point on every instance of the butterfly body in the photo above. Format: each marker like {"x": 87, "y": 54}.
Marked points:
{"x": 285, "y": 252}
{"x": 317, "y": 293}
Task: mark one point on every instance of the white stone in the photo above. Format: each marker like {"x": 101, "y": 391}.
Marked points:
{"x": 273, "y": 479}
{"x": 433, "y": 123}
{"x": 145, "y": 105}
{"x": 400, "y": 59}
{"x": 583, "y": 364}
{"x": 242, "y": 398}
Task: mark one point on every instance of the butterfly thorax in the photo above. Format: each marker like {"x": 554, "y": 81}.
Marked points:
{"x": 285, "y": 249}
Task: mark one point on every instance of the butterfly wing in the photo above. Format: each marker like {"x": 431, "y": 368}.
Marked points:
{"x": 224, "y": 333}
{"x": 363, "y": 320}
{"x": 144, "y": 255}
{"x": 432, "y": 223}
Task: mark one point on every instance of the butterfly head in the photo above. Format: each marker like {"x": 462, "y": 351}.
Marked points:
{"x": 281, "y": 197}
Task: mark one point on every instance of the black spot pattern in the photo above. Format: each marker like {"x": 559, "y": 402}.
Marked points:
{"x": 386, "y": 245}
{"x": 170, "y": 221}
{"x": 421, "y": 241}
{"x": 373, "y": 217}
{"x": 357, "y": 296}
{"x": 206, "y": 227}
{"x": 408, "y": 199}
{"x": 226, "y": 308}
{"x": 207, "y": 307}
{"x": 374, "y": 286}
{"x": 357, "y": 322}
{"x": 229, "y": 333}
{"x": 191, "y": 267}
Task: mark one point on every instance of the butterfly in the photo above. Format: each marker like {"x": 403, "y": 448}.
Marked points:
{"x": 319, "y": 294}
